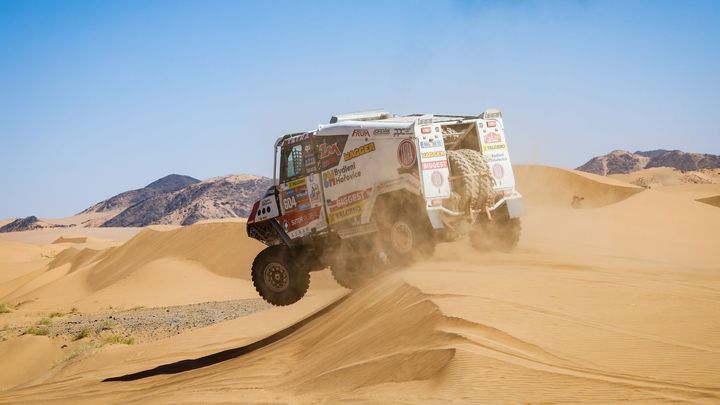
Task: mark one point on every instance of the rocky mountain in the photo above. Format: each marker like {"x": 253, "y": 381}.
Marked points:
{"x": 173, "y": 199}
{"x": 622, "y": 162}
{"x": 28, "y": 224}
{"x": 167, "y": 184}
{"x": 219, "y": 197}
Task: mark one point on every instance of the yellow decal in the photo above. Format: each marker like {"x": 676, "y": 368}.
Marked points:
{"x": 494, "y": 147}
{"x": 359, "y": 151}
{"x": 426, "y": 155}
{"x": 346, "y": 212}
{"x": 297, "y": 183}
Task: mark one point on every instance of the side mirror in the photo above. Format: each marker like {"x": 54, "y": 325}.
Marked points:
{"x": 271, "y": 191}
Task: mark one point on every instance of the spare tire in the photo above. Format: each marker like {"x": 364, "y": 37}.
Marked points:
{"x": 463, "y": 179}
{"x": 486, "y": 183}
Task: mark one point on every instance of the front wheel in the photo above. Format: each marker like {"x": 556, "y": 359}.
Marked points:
{"x": 277, "y": 277}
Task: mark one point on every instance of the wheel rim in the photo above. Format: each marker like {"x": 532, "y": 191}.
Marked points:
{"x": 277, "y": 277}
{"x": 401, "y": 237}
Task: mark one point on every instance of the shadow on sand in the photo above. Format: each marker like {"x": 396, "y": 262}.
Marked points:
{"x": 219, "y": 357}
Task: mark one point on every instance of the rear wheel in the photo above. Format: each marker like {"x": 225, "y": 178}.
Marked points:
{"x": 349, "y": 275}
{"x": 355, "y": 261}
{"x": 408, "y": 237}
{"x": 277, "y": 277}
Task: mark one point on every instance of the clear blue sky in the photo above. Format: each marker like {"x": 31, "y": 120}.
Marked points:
{"x": 98, "y": 97}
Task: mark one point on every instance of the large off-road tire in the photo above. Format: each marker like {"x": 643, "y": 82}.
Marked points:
{"x": 407, "y": 237}
{"x": 353, "y": 263}
{"x": 486, "y": 183}
{"x": 463, "y": 179}
{"x": 500, "y": 233}
{"x": 277, "y": 277}
{"x": 350, "y": 275}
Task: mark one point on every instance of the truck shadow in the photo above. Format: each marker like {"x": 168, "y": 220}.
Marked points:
{"x": 219, "y": 357}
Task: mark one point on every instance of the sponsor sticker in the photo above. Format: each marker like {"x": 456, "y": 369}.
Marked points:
{"x": 494, "y": 147}
{"x": 340, "y": 175}
{"x": 347, "y": 206}
{"x": 299, "y": 219}
{"x": 381, "y": 131}
{"x": 352, "y": 154}
{"x": 361, "y": 133}
{"x": 297, "y": 183}
{"x": 326, "y": 150}
{"x": 406, "y": 153}
{"x": 491, "y": 124}
{"x": 295, "y": 139}
{"x": 498, "y": 171}
{"x": 427, "y": 155}
{"x": 492, "y": 137}
{"x": 401, "y": 131}
{"x": 440, "y": 164}
{"x": 437, "y": 178}
{"x": 426, "y": 130}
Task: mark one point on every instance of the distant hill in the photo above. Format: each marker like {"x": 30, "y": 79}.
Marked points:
{"x": 28, "y": 224}
{"x": 167, "y": 184}
{"x": 219, "y": 197}
{"x": 173, "y": 199}
{"x": 623, "y": 162}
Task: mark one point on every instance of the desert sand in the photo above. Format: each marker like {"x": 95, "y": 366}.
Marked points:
{"x": 613, "y": 294}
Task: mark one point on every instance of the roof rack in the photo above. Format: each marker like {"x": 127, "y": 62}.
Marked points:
{"x": 371, "y": 115}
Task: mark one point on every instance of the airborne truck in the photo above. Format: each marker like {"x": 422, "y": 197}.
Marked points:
{"x": 374, "y": 190}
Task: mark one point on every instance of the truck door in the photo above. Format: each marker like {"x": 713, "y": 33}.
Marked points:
{"x": 300, "y": 193}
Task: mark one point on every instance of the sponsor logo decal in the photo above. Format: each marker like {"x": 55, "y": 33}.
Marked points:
{"x": 498, "y": 171}
{"x": 381, "y": 131}
{"x": 492, "y": 137}
{"x": 326, "y": 150}
{"x": 425, "y": 130}
{"x": 406, "y": 153}
{"x": 296, "y": 139}
{"x": 350, "y": 155}
{"x": 347, "y": 206}
{"x": 437, "y": 178}
{"x": 340, "y": 175}
{"x": 299, "y": 219}
{"x": 330, "y": 150}
{"x": 491, "y": 124}
{"x": 427, "y": 155}
{"x": 297, "y": 183}
{"x": 440, "y": 164}
{"x": 494, "y": 147}
{"x": 361, "y": 133}
{"x": 314, "y": 192}
{"x": 401, "y": 131}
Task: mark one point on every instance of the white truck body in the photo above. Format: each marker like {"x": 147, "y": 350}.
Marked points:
{"x": 331, "y": 178}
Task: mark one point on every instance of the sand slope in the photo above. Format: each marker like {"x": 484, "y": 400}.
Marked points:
{"x": 613, "y": 300}
{"x": 153, "y": 268}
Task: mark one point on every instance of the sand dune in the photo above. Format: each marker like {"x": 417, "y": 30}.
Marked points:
{"x": 613, "y": 298}
{"x": 543, "y": 185}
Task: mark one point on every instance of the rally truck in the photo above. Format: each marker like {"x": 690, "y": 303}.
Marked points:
{"x": 375, "y": 190}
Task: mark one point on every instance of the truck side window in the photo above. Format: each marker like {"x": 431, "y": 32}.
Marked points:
{"x": 294, "y": 164}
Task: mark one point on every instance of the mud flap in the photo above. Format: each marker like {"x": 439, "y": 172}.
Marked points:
{"x": 515, "y": 207}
